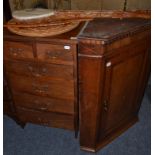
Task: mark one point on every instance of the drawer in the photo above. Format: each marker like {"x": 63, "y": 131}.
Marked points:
{"x": 41, "y": 70}
{"x": 56, "y": 88}
{"x": 59, "y": 54}
{"x": 46, "y": 118}
{"x": 17, "y": 50}
{"x": 44, "y": 103}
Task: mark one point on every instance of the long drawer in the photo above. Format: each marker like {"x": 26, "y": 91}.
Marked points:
{"x": 55, "y": 88}
{"x": 40, "y": 70}
{"x": 46, "y": 118}
{"x": 43, "y": 103}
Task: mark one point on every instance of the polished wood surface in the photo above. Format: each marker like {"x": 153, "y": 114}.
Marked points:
{"x": 55, "y": 53}
{"x": 44, "y": 103}
{"x": 41, "y": 73}
{"x": 17, "y": 50}
{"x": 46, "y": 118}
{"x": 91, "y": 79}
{"x": 113, "y": 72}
{"x": 40, "y": 70}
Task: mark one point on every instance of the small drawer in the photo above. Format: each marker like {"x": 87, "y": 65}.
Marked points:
{"x": 40, "y": 70}
{"x": 60, "y": 54}
{"x": 44, "y": 103}
{"x": 56, "y": 88}
{"x": 46, "y": 118}
{"x": 17, "y": 50}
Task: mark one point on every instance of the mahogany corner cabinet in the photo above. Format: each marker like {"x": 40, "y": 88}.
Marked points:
{"x": 91, "y": 79}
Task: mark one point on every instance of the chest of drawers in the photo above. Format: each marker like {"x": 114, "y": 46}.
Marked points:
{"x": 42, "y": 77}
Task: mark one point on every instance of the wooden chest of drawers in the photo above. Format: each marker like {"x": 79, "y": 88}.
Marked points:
{"x": 42, "y": 76}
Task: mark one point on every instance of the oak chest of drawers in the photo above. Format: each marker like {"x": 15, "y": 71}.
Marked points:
{"x": 92, "y": 78}
{"x": 42, "y": 77}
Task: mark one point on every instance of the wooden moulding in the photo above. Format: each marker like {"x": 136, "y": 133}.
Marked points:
{"x": 103, "y": 14}
{"x": 118, "y": 131}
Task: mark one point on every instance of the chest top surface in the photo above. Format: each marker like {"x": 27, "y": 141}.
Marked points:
{"x": 109, "y": 29}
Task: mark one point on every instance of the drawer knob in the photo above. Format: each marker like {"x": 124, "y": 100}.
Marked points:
{"x": 43, "y": 108}
{"x": 40, "y": 89}
{"x": 52, "y": 55}
{"x": 44, "y": 70}
{"x": 33, "y": 71}
{"x": 40, "y": 105}
{"x": 66, "y": 47}
{"x": 15, "y": 51}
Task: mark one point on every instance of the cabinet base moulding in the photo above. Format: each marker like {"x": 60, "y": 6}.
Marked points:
{"x": 108, "y": 139}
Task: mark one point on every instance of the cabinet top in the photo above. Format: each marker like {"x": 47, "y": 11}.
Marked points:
{"x": 109, "y": 29}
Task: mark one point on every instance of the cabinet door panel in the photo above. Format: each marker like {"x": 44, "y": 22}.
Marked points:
{"x": 123, "y": 74}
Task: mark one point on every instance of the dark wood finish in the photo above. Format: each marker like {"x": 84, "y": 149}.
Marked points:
{"x": 114, "y": 66}
{"x": 91, "y": 79}
{"x": 120, "y": 87}
{"x": 17, "y": 50}
{"x": 40, "y": 70}
{"x": 55, "y": 53}
{"x": 43, "y": 85}
{"x": 44, "y": 103}
{"x": 7, "y": 108}
{"x": 55, "y": 88}
{"x": 8, "y": 104}
{"x": 46, "y": 118}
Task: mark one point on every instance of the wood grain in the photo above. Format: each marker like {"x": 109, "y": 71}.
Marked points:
{"x": 112, "y": 80}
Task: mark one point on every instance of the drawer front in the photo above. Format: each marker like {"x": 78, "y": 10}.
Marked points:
{"x": 40, "y": 70}
{"x": 44, "y": 103}
{"x": 46, "y": 118}
{"x": 56, "y": 88}
{"x": 17, "y": 50}
{"x": 21, "y": 68}
{"x": 60, "y": 54}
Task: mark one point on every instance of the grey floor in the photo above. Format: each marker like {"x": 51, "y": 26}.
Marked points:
{"x": 40, "y": 140}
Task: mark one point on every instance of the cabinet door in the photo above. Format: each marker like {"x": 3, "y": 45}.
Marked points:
{"x": 122, "y": 87}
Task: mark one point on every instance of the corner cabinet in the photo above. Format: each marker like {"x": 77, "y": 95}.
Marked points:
{"x": 113, "y": 72}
